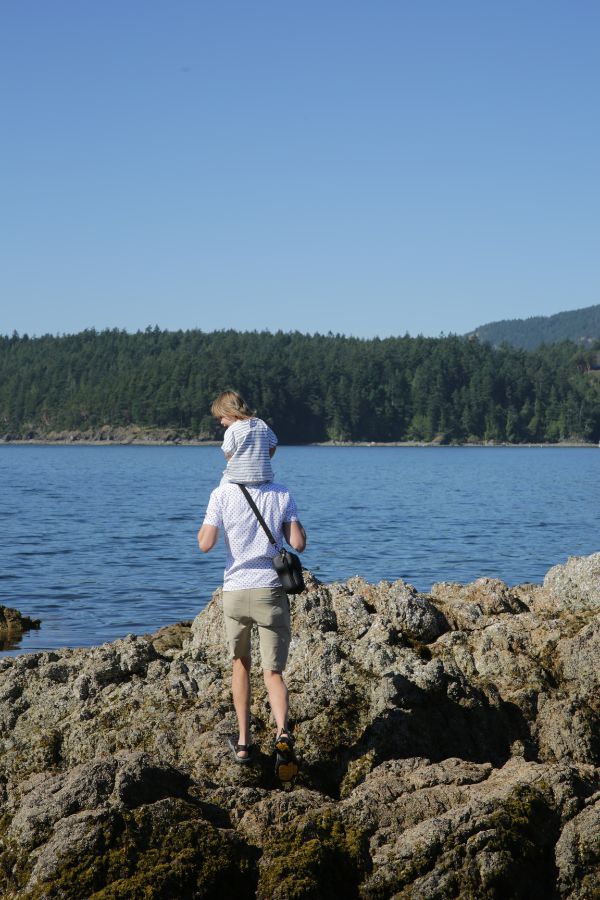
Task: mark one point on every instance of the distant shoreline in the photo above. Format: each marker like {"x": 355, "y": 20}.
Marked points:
{"x": 433, "y": 444}
{"x": 185, "y": 442}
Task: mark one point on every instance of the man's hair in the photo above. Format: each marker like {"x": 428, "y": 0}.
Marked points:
{"x": 232, "y": 405}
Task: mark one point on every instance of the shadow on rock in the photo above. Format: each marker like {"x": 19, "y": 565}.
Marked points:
{"x": 449, "y": 748}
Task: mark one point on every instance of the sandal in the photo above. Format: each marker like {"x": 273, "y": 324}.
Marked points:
{"x": 284, "y": 743}
{"x": 241, "y": 748}
{"x": 286, "y": 762}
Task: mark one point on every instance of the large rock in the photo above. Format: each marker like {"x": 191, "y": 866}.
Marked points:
{"x": 576, "y": 585}
{"x": 450, "y": 746}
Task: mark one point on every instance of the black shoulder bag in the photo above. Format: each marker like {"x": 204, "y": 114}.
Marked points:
{"x": 286, "y": 564}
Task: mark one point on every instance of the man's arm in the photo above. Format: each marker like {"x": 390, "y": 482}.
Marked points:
{"x": 207, "y": 537}
{"x": 295, "y": 535}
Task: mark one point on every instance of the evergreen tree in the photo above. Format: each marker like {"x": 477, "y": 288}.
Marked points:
{"x": 308, "y": 387}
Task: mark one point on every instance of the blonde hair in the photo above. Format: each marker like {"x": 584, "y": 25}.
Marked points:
{"x": 232, "y": 405}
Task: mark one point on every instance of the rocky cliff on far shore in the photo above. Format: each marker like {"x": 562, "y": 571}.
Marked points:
{"x": 450, "y": 746}
{"x": 108, "y": 434}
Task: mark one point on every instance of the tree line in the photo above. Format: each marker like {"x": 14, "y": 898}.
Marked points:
{"x": 308, "y": 387}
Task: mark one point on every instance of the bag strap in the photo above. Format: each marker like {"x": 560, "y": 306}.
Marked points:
{"x": 256, "y": 512}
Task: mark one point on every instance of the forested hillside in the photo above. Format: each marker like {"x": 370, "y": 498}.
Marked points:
{"x": 309, "y": 387}
{"x": 582, "y": 326}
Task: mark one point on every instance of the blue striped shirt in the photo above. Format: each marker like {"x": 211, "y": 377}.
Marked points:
{"x": 247, "y": 442}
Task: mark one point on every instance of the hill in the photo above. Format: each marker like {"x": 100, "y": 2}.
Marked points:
{"x": 582, "y": 326}
{"x": 310, "y": 388}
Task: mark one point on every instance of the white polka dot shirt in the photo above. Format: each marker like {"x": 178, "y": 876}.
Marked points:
{"x": 249, "y": 552}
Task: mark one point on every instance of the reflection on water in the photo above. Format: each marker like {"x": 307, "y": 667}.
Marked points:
{"x": 101, "y": 541}
{"x": 9, "y": 643}
{"x": 11, "y": 638}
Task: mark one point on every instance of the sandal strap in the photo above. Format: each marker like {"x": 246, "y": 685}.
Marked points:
{"x": 239, "y": 747}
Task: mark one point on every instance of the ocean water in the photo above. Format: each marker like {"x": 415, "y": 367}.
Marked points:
{"x": 99, "y": 542}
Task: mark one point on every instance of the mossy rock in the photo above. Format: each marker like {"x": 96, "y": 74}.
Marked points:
{"x": 357, "y": 771}
{"x": 171, "y": 637}
{"x": 13, "y": 625}
{"x": 163, "y": 850}
{"x": 316, "y": 860}
{"x": 513, "y": 860}
{"x": 14, "y": 621}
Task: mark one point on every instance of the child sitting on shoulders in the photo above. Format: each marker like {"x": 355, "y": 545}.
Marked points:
{"x": 248, "y": 444}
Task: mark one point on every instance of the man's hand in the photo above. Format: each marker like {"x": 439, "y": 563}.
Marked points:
{"x": 207, "y": 537}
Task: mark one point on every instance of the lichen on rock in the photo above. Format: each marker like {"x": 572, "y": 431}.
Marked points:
{"x": 450, "y": 746}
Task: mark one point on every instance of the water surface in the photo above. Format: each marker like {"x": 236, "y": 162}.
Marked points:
{"x": 99, "y": 542}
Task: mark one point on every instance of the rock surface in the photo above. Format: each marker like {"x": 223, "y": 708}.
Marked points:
{"x": 450, "y": 745}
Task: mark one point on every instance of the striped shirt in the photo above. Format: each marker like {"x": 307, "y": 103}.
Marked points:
{"x": 247, "y": 443}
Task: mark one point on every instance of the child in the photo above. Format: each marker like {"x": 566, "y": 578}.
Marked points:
{"x": 249, "y": 443}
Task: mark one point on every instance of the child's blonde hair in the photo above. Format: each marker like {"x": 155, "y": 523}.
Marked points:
{"x": 232, "y": 405}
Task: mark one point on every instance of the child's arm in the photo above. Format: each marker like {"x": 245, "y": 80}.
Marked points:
{"x": 228, "y": 445}
{"x": 272, "y": 438}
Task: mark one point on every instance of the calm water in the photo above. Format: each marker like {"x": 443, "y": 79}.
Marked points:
{"x": 101, "y": 541}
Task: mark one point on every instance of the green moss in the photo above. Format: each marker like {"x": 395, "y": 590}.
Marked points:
{"x": 522, "y": 834}
{"x": 336, "y": 731}
{"x": 153, "y": 852}
{"x": 356, "y": 772}
{"x": 342, "y": 721}
{"x": 420, "y": 648}
{"x": 588, "y": 716}
{"x": 521, "y": 823}
{"x": 6, "y": 856}
{"x": 14, "y": 862}
{"x": 320, "y": 858}
{"x": 51, "y": 745}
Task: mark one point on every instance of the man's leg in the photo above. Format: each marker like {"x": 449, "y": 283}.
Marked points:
{"x": 286, "y": 761}
{"x": 278, "y": 698}
{"x": 240, "y": 688}
{"x": 272, "y": 615}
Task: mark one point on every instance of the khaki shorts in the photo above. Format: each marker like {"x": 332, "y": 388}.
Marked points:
{"x": 267, "y": 607}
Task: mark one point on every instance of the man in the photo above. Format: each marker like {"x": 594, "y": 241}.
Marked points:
{"x": 252, "y": 593}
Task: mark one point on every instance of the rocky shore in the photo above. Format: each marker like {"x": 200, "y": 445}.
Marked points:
{"x": 108, "y": 434}
{"x": 169, "y": 437}
{"x": 450, "y": 746}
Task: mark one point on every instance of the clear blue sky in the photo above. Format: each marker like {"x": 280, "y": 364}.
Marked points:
{"x": 367, "y": 168}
